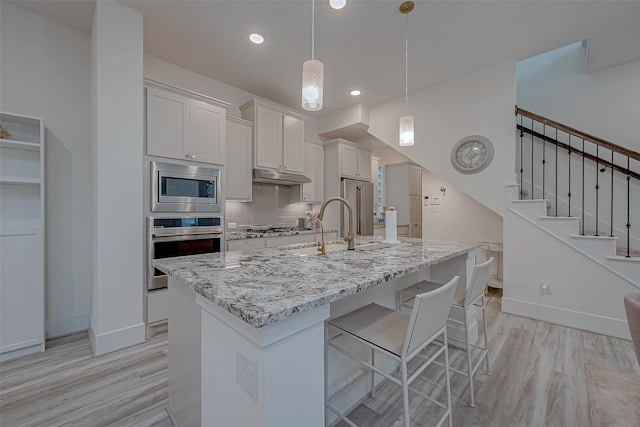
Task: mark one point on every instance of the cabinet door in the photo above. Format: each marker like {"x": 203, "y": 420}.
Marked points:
{"x": 415, "y": 217}
{"x": 293, "y": 144}
{"x": 238, "y": 161}
{"x": 364, "y": 165}
{"x": 268, "y": 138}
{"x": 245, "y": 244}
{"x": 167, "y": 124}
{"x": 348, "y": 161}
{"x": 207, "y": 131}
{"x": 21, "y": 291}
{"x": 415, "y": 180}
{"x": 314, "y": 169}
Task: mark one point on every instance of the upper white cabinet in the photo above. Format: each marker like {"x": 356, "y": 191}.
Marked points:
{"x": 239, "y": 157}
{"x": 354, "y": 161}
{"x": 313, "y": 168}
{"x": 22, "y": 236}
{"x": 185, "y": 125}
{"x": 278, "y": 136}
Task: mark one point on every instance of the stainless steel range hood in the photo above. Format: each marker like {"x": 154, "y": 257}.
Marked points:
{"x": 277, "y": 177}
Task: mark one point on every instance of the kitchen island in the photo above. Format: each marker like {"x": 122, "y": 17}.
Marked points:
{"x": 246, "y": 328}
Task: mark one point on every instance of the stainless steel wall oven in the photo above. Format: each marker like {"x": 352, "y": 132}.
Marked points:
{"x": 171, "y": 237}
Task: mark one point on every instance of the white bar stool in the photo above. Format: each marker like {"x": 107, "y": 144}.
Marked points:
{"x": 463, "y": 300}
{"x": 400, "y": 337}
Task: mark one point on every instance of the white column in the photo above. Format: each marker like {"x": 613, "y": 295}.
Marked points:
{"x": 117, "y": 219}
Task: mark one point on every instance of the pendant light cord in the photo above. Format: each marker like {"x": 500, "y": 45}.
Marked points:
{"x": 406, "y": 61}
{"x": 313, "y": 28}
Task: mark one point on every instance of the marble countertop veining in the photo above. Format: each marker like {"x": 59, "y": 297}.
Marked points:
{"x": 241, "y": 235}
{"x": 264, "y": 286}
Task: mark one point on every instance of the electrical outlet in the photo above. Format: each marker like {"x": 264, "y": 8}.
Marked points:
{"x": 545, "y": 287}
{"x": 247, "y": 375}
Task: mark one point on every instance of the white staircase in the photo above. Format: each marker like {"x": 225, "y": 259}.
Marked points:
{"x": 600, "y": 249}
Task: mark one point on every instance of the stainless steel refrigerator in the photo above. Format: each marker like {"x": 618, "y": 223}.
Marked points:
{"x": 359, "y": 194}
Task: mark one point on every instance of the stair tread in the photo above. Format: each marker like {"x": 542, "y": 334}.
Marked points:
{"x": 589, "y": 236}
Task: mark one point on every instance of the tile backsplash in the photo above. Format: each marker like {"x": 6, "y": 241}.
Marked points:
{"x": 271, "y": 205}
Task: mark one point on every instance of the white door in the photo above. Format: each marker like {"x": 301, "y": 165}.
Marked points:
{"x": 293, "y": 144}
{"x": 348, "y": 161}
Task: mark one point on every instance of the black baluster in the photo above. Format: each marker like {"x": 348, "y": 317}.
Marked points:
{"x": 597, "y": 187}
{"x": 628, "y": 207}
{"x": 556, "y": 171}
{"x": 569, "y": 183}
{"x": 544, "y": 139}
{"x": 521, "y": 158}
{"x": 582, "y": 223}
{"x": 611, "y": 232}
{"x": 532, "y": 132}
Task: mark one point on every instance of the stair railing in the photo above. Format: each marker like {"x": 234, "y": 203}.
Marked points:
{"x": 562, "y": 145}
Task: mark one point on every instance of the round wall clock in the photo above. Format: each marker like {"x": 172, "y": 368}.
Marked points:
{"x": 472, "y": 154}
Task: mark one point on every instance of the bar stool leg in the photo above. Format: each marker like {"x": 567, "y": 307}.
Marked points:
{"x": 486, "y": 338}
{"x": 469, "y": 368}
{"x": 326, "y": 375}
{"x": 405, "y": 393}
{"x": 447, "y": 375}
{"x": 373, "y": 375}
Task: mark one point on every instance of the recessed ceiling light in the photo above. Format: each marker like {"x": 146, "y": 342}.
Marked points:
{"x": 337, "y": 4}
{"x": 355, "y": 92}
{"x": 256, "y": 38}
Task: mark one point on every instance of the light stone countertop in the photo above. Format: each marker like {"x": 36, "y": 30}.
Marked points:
{"x": 264, "y": 286}
{"x": 242, "y": 235}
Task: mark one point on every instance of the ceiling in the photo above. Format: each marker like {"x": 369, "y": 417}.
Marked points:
{"x": 362, "y": 45}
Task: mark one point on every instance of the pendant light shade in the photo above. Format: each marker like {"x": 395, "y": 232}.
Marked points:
{"x": 405, "y": 137}
{"x": 406, "y": 131}
{"x": 312, "y": 73}
{"x": 312, "y": 84}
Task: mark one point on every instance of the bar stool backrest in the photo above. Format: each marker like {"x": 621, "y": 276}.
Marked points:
{"x": 429, "y": 315}
{"x": 479, "y": 279}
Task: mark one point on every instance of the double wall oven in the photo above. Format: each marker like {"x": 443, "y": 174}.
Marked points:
{"x": 186, "y": 215}
{"x": 172, "y": 237}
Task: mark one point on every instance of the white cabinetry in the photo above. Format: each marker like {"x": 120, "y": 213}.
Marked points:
{"x": 21, "y": 236}
{"x": 238, "y": 162}
{"x": 403, "y": 190}
{"x": 184, "y": 125}
{"x": 313, "y": 192}
{"x": 278, "y": 136}
{"x": 354, "y": 161}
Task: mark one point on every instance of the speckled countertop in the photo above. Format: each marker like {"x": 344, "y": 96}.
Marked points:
{"x": 264, "y": 286}
{"x": 241, "y": 235}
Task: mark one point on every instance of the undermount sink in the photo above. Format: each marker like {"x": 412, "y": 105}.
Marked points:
{"x": 338, "y": 247}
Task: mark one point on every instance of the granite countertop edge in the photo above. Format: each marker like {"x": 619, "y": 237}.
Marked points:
{"x": 258, "y": 317}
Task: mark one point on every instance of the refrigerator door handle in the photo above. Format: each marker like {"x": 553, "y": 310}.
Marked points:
{"x": 358, "y": 209}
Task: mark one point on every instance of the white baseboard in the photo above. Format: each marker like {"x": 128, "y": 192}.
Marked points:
{"x": 67, "y": 325}
{"x": 107, "y": 342}
{"x": 574, "y": 319}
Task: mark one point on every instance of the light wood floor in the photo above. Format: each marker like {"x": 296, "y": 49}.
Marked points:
{"x": 538, "y": 379}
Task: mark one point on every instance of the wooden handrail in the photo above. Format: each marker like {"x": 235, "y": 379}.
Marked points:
{"x": 583, "y": 135}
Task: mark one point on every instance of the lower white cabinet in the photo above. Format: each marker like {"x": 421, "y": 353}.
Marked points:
{"x": 274, "y": 242}
{"x": 157, "y": 305}
{"x": 245, "y": 244}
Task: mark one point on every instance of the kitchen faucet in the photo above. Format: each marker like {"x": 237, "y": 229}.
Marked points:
{"x": 349, "y": 239}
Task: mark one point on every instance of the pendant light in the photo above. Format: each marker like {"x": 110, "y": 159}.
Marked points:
{"x": 312, "y": 73}
{"x": 406, "y": 122}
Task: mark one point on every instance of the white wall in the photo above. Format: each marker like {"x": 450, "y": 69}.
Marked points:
{"x": 45, "y": 72}
{"x": 583, "y": 294}
{"x": 117, "y": 132}
{"x": 458, "y": 216}
{"x": 477, "y": 104}
{"x": 603, "y": 103}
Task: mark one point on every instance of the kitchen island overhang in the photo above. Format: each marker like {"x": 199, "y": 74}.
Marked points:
{"x": 268, "y": 307}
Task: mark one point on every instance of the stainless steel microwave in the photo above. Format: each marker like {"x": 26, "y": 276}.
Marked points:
{"x": 184, "y": 188}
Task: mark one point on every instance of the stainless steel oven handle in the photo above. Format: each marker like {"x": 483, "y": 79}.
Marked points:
{"x": 190, "y": 236}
